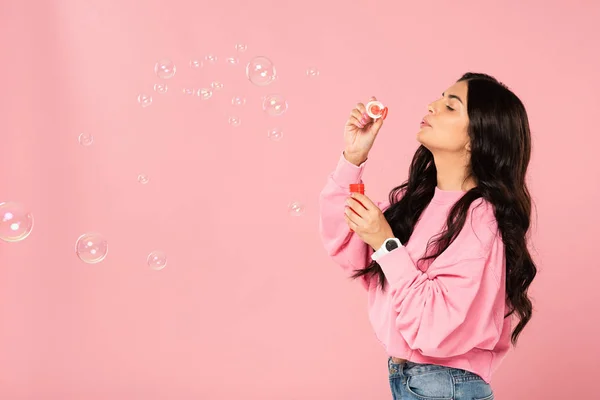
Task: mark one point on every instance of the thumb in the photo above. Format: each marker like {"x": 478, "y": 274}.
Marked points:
{"x": 377, "y": 125}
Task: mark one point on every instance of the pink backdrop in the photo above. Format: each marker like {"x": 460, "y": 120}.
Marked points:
{"x": 248, "y": 305}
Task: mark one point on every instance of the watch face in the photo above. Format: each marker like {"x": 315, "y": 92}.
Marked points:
{"x": 391, "y": 245}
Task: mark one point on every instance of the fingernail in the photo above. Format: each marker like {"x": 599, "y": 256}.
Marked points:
{"x": 365, "y": 115}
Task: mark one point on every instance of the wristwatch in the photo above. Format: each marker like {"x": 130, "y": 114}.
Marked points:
{"x": 387, "y": 246}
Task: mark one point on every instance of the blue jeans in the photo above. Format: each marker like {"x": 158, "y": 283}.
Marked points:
{"x": 413, "y": 381}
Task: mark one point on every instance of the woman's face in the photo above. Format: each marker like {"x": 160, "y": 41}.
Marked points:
{"x": 445, "y": 126}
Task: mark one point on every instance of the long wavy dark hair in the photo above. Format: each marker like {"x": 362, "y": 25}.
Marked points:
{"x": 500, "y": 152}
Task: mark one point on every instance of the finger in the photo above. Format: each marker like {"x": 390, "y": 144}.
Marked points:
{"x": 360, "y": 115}
{"x": 363, "y": 117}
{"x": 352, "y": 225}
{"x": 357, "y": 116}
{"x": 361, "y": 107}
{"x": 356, "y": 206}
{"x": 356, "y": 113}
{"x": 352, "y": 215}
{"x": 364, "y": 200}
{"x": 356, "y": 122}
{"x": 377, "y": 125}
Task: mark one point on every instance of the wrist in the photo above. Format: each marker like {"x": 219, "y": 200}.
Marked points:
{"x": 355, "y": 159}
{"x": 381, "y": 240}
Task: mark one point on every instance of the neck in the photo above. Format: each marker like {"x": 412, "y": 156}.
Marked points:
{"x": 452, "y": 172}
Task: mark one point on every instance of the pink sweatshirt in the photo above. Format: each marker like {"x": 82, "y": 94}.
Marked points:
{"x": 450, "y": 312}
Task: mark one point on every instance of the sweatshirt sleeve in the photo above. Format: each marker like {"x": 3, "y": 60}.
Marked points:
{"x": 341, "y": 244}
{"x": 457, "y": 304}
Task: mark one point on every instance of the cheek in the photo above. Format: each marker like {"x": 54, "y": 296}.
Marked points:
{"x": 456, "y": 132}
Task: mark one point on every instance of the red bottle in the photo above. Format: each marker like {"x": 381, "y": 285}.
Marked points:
{"x": 357, "y": 188}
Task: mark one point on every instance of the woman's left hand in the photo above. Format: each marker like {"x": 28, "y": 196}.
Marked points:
{"x": 367, "y": 220}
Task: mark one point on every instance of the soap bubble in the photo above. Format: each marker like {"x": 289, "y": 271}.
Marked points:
{"x": 16, "y": 222}
{"x": 261, "y": 71}
{"x": 211, "y": 58}
{"x": 86, "y": 139}
{"x": 143, "y": 179}
{"x": 234, "y": 121}
{"x": 216, "y": 85}
{"x": 195, "y": 64}
{"x": 188, "y": 91}
{"x": 296, "y": 209}
{"x": 157, "y": 260}
{"x": 144, "y": 100}
{"x": 165, "y": 69}
{"x": 241, "y": 47}
{"x": 274, "y": 105}
{"x": 275, "y": 134}
{"x": 312, "y": 72}
{"x": 205, "y": 93}
{"x": 160, "y": 88}
{"x": 232, "y": 61}
{"x": 238, "y": 101}
{"x": 91, "y": 248}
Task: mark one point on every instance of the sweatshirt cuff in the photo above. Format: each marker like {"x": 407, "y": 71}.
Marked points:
{"x": 398, "y": 266}
{"x": 346, "y": 173}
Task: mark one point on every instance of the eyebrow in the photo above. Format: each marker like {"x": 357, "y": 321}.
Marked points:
{"x": 451, "y": 96}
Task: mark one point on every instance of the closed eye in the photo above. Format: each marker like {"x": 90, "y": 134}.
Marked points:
{"x": 450, "y": 108}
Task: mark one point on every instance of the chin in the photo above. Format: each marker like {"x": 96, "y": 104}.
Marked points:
{"x": 421, "y": 138}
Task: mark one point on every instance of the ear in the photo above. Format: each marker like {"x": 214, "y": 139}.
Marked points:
{"x": 468, "y": 146}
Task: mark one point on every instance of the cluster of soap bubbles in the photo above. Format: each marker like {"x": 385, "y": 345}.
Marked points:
{"x": 16, "y": 222}
{"x": 260, "y": 71}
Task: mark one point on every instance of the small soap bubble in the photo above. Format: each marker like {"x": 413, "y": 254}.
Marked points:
{"x": 143, "y": 179}
{"x": 238, "y": 101}
{"x": 241, "y": 47}
{"x": 205, "y": 93}
{"x": 260, "y": 71}
{"x": 211, "y": 58}
{"x": 232, "y": 61}
{"x": 157, "y": 260}
{"x": 274, "y": 105}
{"x": 160, "y": 88}
{"x": 188, "y": 91}
{"x": 16, "y": 222}
{"x": 86, "y": 139}
{"x": 296, "y": 209}
{"x": 91, "y": 248}
{"x": 165, "y": 69}
{"x": 275, "y": 134}
{"x": 145, "y": 100}
{"x": 195, "y": 64}
{"x": 216, "y": 85}
{"x": 234, "y": 121}
{"x": 312, "y": 72}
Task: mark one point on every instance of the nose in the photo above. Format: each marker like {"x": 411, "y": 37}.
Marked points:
{"x": 432, "y": 107}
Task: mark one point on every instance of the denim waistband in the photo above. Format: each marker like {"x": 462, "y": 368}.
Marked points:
{"x": 409, "y": 368}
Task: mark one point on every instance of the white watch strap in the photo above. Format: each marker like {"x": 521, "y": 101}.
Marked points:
{"x": 383, "y": 250}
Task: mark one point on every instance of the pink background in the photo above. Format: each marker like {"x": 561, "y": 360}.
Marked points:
{"x": 249, "y": 306}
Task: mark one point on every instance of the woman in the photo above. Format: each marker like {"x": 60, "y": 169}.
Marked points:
{"x": 445, "y": 261}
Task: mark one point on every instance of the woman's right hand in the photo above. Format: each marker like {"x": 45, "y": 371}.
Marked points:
{"x": 360, "y": 133}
